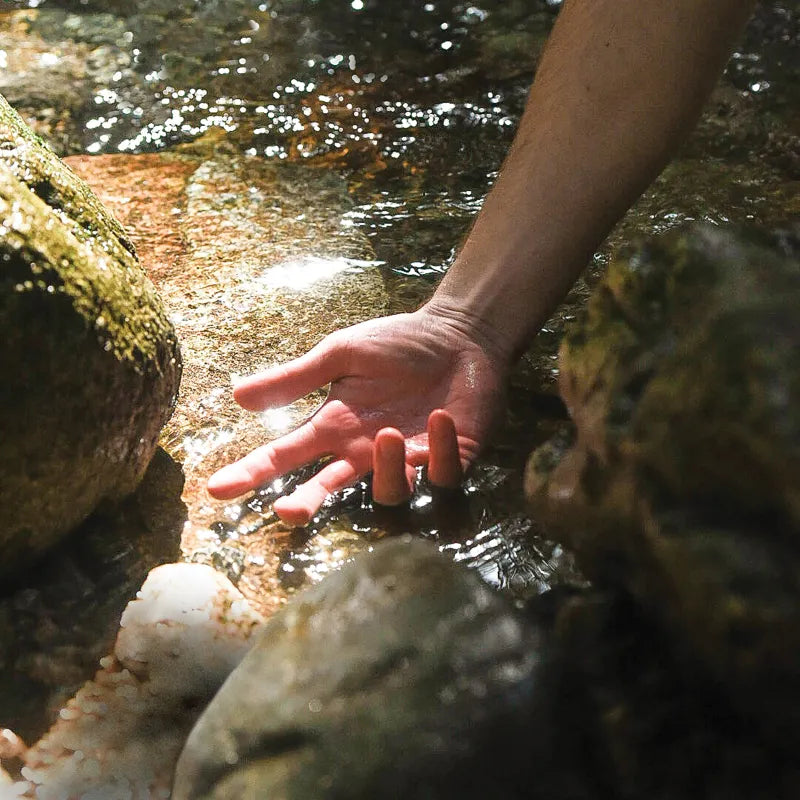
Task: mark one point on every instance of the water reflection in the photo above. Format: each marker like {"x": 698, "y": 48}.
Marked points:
{"x": 483, "y": 526}
{"x": 302, "y": 274}
{"x": 416, "y": 102}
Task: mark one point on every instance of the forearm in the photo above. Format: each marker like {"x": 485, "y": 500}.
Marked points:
{"x": 621, "y": 82}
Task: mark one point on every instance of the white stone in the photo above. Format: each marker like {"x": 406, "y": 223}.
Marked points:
{"x": 121, "y": 734}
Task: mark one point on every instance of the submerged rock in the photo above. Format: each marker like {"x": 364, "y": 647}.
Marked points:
{"x": 55, "y": 67}
{"x": 90, "y": 364}
{"x": 683, "y": 484}
{"x": 402, "y": 675}
{"x": 255, "y": 263}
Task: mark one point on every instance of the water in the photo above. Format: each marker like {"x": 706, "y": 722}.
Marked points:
{"x": 415, "y": 103}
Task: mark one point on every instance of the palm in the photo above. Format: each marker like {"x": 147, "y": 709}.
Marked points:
{"x": 386, "y": 372}
{"x": 397, "y": 372}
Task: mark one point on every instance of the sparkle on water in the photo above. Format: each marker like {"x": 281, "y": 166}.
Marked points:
{"x": 416, "y": 103}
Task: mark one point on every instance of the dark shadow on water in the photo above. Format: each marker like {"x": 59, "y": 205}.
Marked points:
{"x": 62, "y": 614}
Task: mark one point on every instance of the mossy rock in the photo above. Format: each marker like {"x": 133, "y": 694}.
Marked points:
{"x": 90, "y": 364}
{"x": 683, "y": 485}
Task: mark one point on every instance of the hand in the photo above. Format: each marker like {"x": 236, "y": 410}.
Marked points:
{"x": 386, "y": 372}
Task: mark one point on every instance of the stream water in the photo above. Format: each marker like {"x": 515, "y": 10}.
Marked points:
{"x": 415, "y": 104}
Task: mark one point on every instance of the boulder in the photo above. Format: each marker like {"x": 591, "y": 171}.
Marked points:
{"x": 682, "y": 486}
{"x": 401, "y": 675}
{"x": 650, "y": 730}
{"x": 90, "y": 363}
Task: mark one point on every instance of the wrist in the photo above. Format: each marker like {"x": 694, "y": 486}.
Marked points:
{"x": 459, "y": 317}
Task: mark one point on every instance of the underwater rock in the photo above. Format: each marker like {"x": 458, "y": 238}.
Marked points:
{"x": 255, "y": 264}
{"x": 683, "y": 484}
{"x": 56, "y": 66}
{"x": 122, "y": 732}
{"x": 402, "y": 675}
{"x": 90, "y": 364}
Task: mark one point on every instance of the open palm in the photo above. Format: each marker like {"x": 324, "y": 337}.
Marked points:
{"x": 391, "y": 371}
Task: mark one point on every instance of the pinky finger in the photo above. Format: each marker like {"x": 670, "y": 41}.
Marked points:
{"x": 300, "y": 506}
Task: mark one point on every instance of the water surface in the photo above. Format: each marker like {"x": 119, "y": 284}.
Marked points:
{"x": 415, "y": 104}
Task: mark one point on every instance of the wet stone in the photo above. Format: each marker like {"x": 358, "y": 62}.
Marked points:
{"x": 121, "y": 733}
{"x": 683, "y": 484}
{"x": 400, "y": 675}
{"x": 90, "y": 362}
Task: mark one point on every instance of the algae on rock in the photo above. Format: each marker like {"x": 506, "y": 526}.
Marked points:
{"x": 683, "y": 486}
{"x": 90, "y": 363}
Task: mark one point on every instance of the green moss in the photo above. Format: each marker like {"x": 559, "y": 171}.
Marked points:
{"x": 683, "y": 379}
{"x": 57, "y": 227}
{"x": 27, "y": 156}
{"x": 90, "y": 364}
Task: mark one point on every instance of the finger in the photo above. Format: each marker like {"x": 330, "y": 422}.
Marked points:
{"x": 444, "y": 461}
{"x": 265, "y": 463}
{"x": 285, "y": 383}
{"x": 390, "y": 484}
{"x": 300, "y": 506}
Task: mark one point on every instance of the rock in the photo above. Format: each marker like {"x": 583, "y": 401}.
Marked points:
{"x": 644, "y": 728}
{"x": 683, "y": 485}
{"x": 58, "y": 67}
{"x": 90, "y": 362}
{"x": 122, "y": 732}
{"x": 402, "y": 675}
{"x": 63, "y": 615}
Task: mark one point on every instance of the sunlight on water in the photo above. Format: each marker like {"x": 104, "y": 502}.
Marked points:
{"x": 415, "y": 104}
{"x": 198, "y": 446}
{"x": 301, "y": 275}
{"x": 278, "y": 421}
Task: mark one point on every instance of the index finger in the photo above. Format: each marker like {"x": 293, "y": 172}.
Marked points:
{"x": 285, "y": 383}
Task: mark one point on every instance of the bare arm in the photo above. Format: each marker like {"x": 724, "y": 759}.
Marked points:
{"x": 620, "y": 84}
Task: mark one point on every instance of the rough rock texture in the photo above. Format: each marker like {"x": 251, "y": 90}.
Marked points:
{"x": 121, "y": 734}
{"x": 402, "y": 675}
{"x": 645, "y": 727}
{"x": 683, "y": 485}
{"x": 90, "y": 363}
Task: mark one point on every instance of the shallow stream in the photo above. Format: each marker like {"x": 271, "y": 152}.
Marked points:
{"x": 413, "y": 104}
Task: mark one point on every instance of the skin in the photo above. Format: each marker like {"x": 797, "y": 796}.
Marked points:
{"x": 619, "y": 86}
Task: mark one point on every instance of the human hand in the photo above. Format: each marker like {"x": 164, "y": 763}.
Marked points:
{"x": 385, "y": 372}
